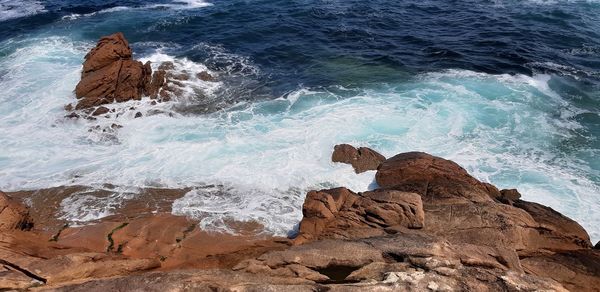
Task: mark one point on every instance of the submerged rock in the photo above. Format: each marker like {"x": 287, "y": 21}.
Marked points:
{"x": 100, "y": 111}
{"x": 361, "y": 159}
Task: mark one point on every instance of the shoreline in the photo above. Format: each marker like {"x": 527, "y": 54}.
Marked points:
{"x": 429, "y": 224}
{"x": 425, "y": 224}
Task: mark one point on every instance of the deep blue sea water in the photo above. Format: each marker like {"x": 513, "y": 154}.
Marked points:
{"x": 508, "y": 89}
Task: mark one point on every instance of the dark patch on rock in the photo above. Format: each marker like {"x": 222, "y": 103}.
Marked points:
{"x": 100, "y": 111}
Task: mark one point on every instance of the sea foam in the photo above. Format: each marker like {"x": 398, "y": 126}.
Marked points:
{"x": 10, "y": 9}
{"x": 262, "y": 157}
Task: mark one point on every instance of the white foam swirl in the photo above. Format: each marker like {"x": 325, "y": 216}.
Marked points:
{"x": 508, "y": 130}
{"x": 10, "y": 9}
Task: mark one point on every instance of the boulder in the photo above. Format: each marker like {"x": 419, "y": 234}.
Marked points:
{"x": 341, "y": 213}
{"x": 434, "y": 178}
{"x": 578, "y": 270}
{"x": 361, "y": 159}
{"x": 100, "y": 111}
{"x": 13, "y": 215}
{"x": 554, "y": 230}
{"x": 110, "y": 74}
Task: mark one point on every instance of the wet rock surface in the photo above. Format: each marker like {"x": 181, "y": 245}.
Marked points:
{"x": 111, "y": 75}
{"x": 429, "y": 227}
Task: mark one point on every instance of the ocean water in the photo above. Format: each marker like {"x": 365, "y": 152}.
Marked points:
{"x": 508, "y": 89}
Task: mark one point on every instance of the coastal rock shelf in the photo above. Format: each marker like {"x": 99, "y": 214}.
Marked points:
{"x": 429, "y": 226}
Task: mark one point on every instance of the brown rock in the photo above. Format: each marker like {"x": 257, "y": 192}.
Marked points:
{"x": 577, "y": 270}
{"x": 100, "y": 111}
{"x": 459, "y": 237}
{"x": 340, "y": 213}
{"x": 110, "y": 74}
{"x": 508, "y": 196}
{"x": 559, "y": 232}
{"x": 435, "y": 179}
{"x": 406, "y": 261}
{"x": 13, "y": 215}
{"x": 90, "y": 237}
{"x": 158, "y": 80}
{"x": 205, "y": 76}
{"x": 72, "y": 116}
{"x": 12, "y": 279}
{"x": 109, "y": 49}
{"x": 361, "y": 159}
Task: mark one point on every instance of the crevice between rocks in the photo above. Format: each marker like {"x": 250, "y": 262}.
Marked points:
{"x": 57, "y": 235}
{"x": 189, "y": 229}
{"x": 24, "y": 271}
{"x": 337, "y": 273}
{"x": 111, "y": 242}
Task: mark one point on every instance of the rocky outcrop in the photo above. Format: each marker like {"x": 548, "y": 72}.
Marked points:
{"x": 13, "y": 215}
{"x": 482, "y": 229}
{"x": 430, "y": 226}
{"x": 435, "y": 179}
{"x": 110, "y": 74}
{"x": 361, "y": 159}
{"x": 409, "y": 261}
{"x": 341, "y": 213}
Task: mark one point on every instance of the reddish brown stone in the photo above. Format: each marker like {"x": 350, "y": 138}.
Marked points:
{"x": 100, "y": 111}
{"x": 110, "y": 74}
{"x": 361, "y": 159}
{"x": 340, "y": 213}
{"x": 434, "y": 178}
{"x": 13, "y": 214}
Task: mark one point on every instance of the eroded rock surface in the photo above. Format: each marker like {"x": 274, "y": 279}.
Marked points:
{"x": 13, "y": 214}
{"x": 429, "y": 227}
{"x": 435, "y": 179}
{"x": 341, "y": 213}
{"x": 111, "y": 75}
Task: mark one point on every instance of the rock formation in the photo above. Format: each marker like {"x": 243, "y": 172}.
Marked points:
{"x": 340, "y": 213}
{"x": 430, "y": 226}
{"x": 361, "y": 159}
{"x": 110, "y": 74}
